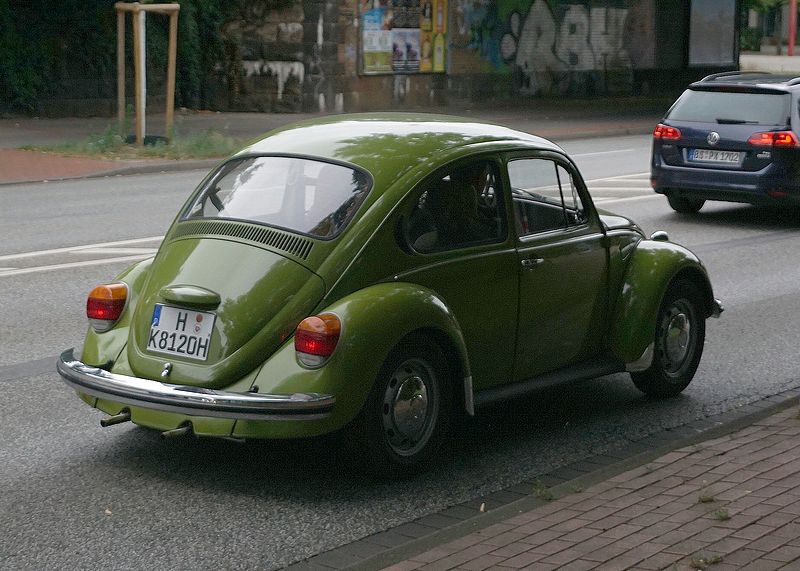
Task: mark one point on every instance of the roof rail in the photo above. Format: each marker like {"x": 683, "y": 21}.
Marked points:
{"x": 794, "y": 81}
{"x": 714, "y": 76}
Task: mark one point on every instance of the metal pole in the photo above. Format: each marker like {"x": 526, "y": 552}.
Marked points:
{"x": 792, "y": 26}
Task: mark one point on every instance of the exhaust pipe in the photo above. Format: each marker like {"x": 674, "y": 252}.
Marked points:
{"x": 124, "y": 416}
{"x": 180, "y": 431}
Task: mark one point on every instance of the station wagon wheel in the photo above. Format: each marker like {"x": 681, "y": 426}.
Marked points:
{"x": 408, "y": 411}
{"x": 678, "y": 345}
{"x": 685, "y": 205}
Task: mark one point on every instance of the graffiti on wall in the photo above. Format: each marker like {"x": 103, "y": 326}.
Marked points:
{"x": 556, "y": 46}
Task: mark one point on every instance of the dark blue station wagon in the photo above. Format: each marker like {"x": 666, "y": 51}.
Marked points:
{"x": 732, "y": 137}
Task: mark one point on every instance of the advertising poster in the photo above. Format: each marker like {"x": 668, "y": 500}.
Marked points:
{"x": 403, "y": 36}
{"x": 376, "y": 41}
{"x": 405, "y": 49}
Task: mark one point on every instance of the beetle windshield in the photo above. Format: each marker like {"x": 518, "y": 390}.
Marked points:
{"x": 302, "y": 195}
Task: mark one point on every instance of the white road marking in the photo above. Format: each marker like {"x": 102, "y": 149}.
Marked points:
{"x": 37, "y": 269}
{"x": 626, "y": 189}
{"x": 602, "y": 153}
{"x": 639, "y": 174}
{"x": 78, "y": 248}
{"x": 117, "y": 251}
{"x": 612, "y": 199}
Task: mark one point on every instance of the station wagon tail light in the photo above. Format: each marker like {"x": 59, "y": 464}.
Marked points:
{"x": 315, "y": 339}
{"x": 666, "y": 132}
{"x": 105, "y": 304}
{"x": 773, "y": 139}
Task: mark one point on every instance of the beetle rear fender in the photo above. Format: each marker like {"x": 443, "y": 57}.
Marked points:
{"x": 374, "y": 320}
{"x": 100, "y": 349}
{"x": 652, "y": 268}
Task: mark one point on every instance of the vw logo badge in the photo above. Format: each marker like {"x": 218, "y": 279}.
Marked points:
{"x": 713, "y": 138}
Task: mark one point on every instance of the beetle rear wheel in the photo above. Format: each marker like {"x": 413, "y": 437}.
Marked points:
{"x": 680, "y": 335}
{"x": 408, "y": 410}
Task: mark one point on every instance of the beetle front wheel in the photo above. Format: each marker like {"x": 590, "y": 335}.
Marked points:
{"x": 408, "y": 410}
{"x": 680, "y": 336}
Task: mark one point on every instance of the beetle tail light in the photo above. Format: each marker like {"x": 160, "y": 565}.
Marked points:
{"x": 666, "y": 132}
{"x": 316, "y": 338}
{"x": 105, "y": 305}
{"x": 773, "y": 139}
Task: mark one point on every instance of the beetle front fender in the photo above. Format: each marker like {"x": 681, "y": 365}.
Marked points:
{"x": 653, "y": 266}
{"x": 374, "y": 320}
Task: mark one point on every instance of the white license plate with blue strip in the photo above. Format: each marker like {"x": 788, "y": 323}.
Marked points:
{"x": 180, "y": 332}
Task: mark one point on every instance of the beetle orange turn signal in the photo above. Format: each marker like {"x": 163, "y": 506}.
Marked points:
{"x": 315, "y": 339}
{"x": 105, "y": 304}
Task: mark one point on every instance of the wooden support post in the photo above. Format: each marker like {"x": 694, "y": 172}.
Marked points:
{"x": 138, "y": 79}
{"x": 792, "y": 26}
{"x": 121, "y": 73}
{"x": 138, "y": 13}
{"x": 171, "y": 60}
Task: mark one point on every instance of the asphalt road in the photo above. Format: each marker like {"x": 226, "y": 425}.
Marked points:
{"x": 76, "y": 496}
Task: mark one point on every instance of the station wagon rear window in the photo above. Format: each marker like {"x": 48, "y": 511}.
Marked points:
{"x": 302, "y": 195}
{"x": 725, "y": 107}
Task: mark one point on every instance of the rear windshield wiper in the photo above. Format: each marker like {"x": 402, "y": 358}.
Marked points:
{"x": 724, "y": 121}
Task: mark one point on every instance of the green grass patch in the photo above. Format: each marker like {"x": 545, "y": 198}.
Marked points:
{"x": 721, "y": 514}
{"x": 704, "y": 561}
{"x": 542, "y": 492}
{"x": 109, "y": 145}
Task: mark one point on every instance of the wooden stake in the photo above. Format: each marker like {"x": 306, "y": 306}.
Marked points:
{"x": 173, "y": 53}
{"x": 137, "y": 67}
{"x": 121, "y": 73}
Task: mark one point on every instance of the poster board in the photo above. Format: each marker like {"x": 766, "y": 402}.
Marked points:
{"x": 403, "y": 36}
{"x": 712, "y": 33}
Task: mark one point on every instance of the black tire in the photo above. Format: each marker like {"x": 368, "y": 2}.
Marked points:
{"x": 408, "y": 410}
{"x": 685, "y": 205}
{"x": 679, "y": 340}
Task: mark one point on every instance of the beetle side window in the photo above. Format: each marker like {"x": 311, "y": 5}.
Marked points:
{"x": 459, "y": 209}
{"x": 544, "y": 196}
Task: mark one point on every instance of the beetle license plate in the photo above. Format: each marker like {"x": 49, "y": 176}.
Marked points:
{"x": 714, "y": 156}
{"x": 180, "y": 332}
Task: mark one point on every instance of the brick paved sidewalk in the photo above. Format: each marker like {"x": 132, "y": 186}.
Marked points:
{"x": 728, "y": 503}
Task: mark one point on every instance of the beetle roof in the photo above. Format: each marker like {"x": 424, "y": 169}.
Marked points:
{"x": 390, "y": 142}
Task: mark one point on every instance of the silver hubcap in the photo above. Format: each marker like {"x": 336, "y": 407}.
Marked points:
{"x": 410, "y": 406}
{"x": 677, "y": 338}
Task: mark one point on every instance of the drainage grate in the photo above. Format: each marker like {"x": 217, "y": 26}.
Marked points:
{"x": 297, "y": 246}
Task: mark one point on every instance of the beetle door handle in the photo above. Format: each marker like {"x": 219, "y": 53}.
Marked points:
{"x": 530, "y": 263}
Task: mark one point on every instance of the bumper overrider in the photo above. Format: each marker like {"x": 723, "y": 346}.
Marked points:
{"x": 190, "y": 401}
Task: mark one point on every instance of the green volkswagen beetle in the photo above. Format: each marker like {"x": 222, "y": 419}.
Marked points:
{"x": 383, "y": 274}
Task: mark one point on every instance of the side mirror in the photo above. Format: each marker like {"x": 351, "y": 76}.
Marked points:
{"x": 659, "y": 236}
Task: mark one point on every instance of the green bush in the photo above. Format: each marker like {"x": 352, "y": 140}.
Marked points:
{"x": 47, "y": 52}
{"x": 750, "y": 39}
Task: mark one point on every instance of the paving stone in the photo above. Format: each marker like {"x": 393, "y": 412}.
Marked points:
{"x": 786, "y": 553}
{"x": 742, "y": 557}
{"x": 660, "y": 560}
{"x": 481, "y": 563}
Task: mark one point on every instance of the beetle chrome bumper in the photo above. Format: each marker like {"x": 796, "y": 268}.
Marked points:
{"x": 192, "y": 401}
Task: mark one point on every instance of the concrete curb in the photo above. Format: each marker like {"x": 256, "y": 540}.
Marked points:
{"x": 128, "y": 170}
{"x": 364, "y": 554}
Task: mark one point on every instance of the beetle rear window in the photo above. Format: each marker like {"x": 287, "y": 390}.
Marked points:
{"x": 732, "y": 107}
{"x": 302, "y": 195}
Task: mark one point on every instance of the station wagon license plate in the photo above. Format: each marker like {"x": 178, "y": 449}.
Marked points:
{"x": 180, "y": 332}
{"x": 714, "y": 156}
